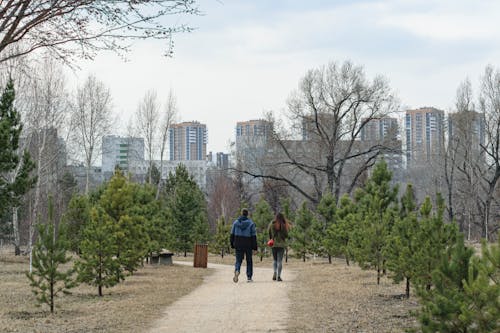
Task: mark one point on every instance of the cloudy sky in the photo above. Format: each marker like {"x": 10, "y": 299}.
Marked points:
{"x": 246, "y": 56}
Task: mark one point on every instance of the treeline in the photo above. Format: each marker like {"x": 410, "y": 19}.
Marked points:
{"x": 113, "y": 230}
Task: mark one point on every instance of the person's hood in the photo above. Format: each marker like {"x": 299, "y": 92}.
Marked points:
{"x": 243, "y": 222}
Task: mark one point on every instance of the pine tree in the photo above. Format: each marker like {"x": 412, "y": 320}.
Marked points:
{"x": 376, "y": 202}
{"x": 433, "y": 239}
{"x": 300, "y": 234}
{"x": 402, "y": 244}
{"x": 98, "y": 265}
{"x": 481, "y": 313}
{"x": 15, "y": 179}
{"x": 221, "y": 242}
{"x": 442, "y": 305}
{"x": 327, "y": 210}
{"x": 49, "y": 254}
{"x": 187, "y": 210}
{"x": 339, "y": 234}
{"x": 262, "y": 216}
{"x": 75, "y": 217}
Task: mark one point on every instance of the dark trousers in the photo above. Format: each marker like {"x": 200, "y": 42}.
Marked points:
{"x": 240, "y": 254}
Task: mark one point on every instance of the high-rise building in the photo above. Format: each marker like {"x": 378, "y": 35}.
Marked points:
{"x": 188, "y": 141}
{"x": 424, "y": 129}
{"x": 379, "y": 129}
{"x": 127, "y": 153}
{"x": 467, "y": 127}
{"x": 222, "y": 160}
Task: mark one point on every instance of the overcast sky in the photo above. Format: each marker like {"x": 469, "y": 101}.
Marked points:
{"x": 247, "y": 56}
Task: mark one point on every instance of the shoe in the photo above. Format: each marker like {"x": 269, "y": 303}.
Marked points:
{"x": 279, "y": 279}
{"x": 235, "y": 278}
{"x": 249, "y": 280}
{"x": 274, "y": 276}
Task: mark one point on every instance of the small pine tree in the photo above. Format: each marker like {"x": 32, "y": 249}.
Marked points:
{"x": 482, "y": 289}
{"x": 262, "y": 216}
{"x": 327, "y": 210}
{"x": 98, "y": 265}
{"x": 221, "y": 242}
{"x": 401, "y": 249}
{"x": 300, "y": 234}
{"x": 442, "y": 305}
{"x": 376, "y": 203}
{"x": 339, "y": 234}
{"x": 49, "y": 254}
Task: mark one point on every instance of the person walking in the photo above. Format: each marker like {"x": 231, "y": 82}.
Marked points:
{"x": 244, "y": 240}
{"x": 278, "y": 232}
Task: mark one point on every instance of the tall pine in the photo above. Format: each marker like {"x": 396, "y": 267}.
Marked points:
{"x": 301, "y": 232}
{"x": 48, "y": 279}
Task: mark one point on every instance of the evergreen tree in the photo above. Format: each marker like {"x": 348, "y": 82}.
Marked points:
{"x": 433, "y": 239}
{"x": 221, "y": 242}
{"x": 49, "y": 254}
{"x": 402, "y": 245}
{"x": 75, "y": 217}
{"x": 15, "y": 179}
{"x": 289, "y": 215}
{"x": 98, "y": 265}
{"x": 442, "y": 305}
{"x": 262, "y": 216}
{"x": 481, "y": 313}
{"x": 327, "y": 210}
{"x": 376, "y": 202}
{"x": 300, "y": 234}
{"x": 187, "y": 210}
{"x": 339, "y": 234}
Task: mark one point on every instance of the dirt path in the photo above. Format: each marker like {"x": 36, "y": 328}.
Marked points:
{"x": 220, "y": 305}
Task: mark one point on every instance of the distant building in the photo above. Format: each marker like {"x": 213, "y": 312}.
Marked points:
{"x": 196, "y": 169}
{"x": 469, "y": 127}
{"x": 379, "y": 129}
{"x": 127, "y": 153}
{"x": 424, "y": 134}
{"x": 222, "y": 161}
{"x": 188, "y": 141}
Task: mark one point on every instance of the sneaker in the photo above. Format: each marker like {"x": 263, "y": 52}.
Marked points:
{"x": 249, "y": 280}
{"x": 274, "y": 276}
{"x": 279, "y": 279}
{"x": 235, "y": 278}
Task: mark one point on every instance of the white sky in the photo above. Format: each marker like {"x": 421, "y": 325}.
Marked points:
{"x": 246, "y": 57}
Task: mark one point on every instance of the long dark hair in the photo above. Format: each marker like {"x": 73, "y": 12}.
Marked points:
{"x": 280, "y": 222}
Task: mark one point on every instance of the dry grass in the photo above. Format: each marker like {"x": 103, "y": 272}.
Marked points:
{"x": 337, "y": 298}
{"x": 325, "y": 298}
{"x": 131, "y": 306}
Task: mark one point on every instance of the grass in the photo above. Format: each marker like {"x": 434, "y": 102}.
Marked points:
{"x": 131, "y": 306}
{"x": 325, "y": 298}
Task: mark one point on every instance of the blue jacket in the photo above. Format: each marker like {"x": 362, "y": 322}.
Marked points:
{"x": 243, "y": 235}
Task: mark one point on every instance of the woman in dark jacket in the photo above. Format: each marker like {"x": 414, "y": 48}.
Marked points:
{"x": 278, "y": 232}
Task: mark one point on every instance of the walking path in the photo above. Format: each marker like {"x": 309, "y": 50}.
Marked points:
{"x": 220, "y": 305}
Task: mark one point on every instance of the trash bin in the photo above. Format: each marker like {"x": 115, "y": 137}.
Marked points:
{"x": 200, "y": 255}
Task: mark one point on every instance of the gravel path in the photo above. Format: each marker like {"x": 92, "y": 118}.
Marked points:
{"x": 220, "y": 305}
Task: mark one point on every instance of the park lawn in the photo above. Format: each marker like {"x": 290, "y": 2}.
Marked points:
{"x": 131, "y": 306}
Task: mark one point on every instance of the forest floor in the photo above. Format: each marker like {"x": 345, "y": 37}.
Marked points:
{"x": 315, "y": 297}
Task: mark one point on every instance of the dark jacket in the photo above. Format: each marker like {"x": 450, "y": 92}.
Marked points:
{"x": 279, "y": 236}
{"x": 243, "y": 235}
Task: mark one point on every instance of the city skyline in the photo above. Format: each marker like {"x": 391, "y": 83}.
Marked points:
{"x": 247, "y": 58}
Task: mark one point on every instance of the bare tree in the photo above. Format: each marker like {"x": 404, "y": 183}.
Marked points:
{"x": 91, "y": 120}
{"x": 47, "y": 108}
{"x": 69, "y": 28}
{"x": 489, "y": 104}
{"x": 223, "y": 198}
{"x": 329, "y": 110}
{"x": 147, "y": 118}
{"x": 168, "y": 118}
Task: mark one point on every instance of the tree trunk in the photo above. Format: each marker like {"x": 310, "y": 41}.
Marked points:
{"x": 15, "y": 226}
{"x": 408, "y": 288}
{"x": 329, "y": 258}
{"x": 378, "y": 275}
{"x": 347, "y": 260}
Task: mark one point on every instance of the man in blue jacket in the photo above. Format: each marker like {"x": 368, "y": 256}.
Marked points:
{"x": 244, "y": 240}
